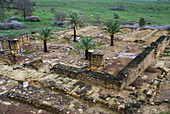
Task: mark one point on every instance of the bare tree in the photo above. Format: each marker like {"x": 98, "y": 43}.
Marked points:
{"x": 24, "y": 6}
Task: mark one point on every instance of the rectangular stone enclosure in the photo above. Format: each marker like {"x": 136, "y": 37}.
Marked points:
{"x": 126, "y": 76}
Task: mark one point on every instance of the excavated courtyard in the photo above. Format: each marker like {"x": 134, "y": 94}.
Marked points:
{"x": 60, "y": 93}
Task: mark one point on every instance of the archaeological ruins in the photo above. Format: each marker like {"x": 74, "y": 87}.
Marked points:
{"x": 125, "y": 78}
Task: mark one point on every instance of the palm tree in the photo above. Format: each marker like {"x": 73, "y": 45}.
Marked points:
{"x": 112, "y": 28}
{"x": 74, "y": 20}
{"x": 86, "y": 43}
{"x": 45, "y": 34}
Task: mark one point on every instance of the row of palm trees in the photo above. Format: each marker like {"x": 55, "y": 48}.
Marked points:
{"x": 86, "y": 42}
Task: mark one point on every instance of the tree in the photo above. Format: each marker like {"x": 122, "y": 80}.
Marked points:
{"x": 24, "y": 6}
{"x": 112, "y": 28}
{"x": 74, "y": 20}
{"x": 86, "y": 43}
{"x": 45, "y": 34}
{"x": 142, "y": 22}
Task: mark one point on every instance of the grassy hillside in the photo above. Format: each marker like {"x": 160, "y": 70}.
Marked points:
{"x": 150, "y": 10}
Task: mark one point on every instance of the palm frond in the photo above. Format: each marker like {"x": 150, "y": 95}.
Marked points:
{"x": 112, "y": 27}
{"x": 74, "y": 19}
{"x": 86, "y": 42}
{"x": 44, "y": 33}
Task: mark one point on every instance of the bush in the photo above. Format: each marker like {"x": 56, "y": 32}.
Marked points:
{"x": 15, "y": 18}
{"x": 97, "y": 17}
{"x": 52, "y": 9}
{"x": 128, "y": 22}
{"x": 81, "y": 13}
{"x": 32, "y": 18}
{"x": 58, "y": 23}
{"x": 116, "y": 16}
{"x": 11, "y": 25}
{"x": 2, "y": 15}
{"x": 60, "y": 16}
{"x": 142, "y": 22}
{"x": 34, "y": 3}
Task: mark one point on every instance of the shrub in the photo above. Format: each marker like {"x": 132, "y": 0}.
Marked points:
{"x": 58, "y": 23}
{"x": 52, "y": 9}
{"x": 32, "y": 18}
{"x": 2, "y": 15}
{"x": 11, "y": 25}
{"x": 81, "y": 13}
{"x": 34, "y": 3}
{"x": 60, "y": 16}
{"x": 15, "y": 18}
{"x": 116, "y": 16}
{"x": 97, "y": 17}
{"x": 142, "y": 22}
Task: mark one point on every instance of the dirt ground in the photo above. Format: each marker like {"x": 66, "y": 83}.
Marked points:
{"x": 19, "y": 108}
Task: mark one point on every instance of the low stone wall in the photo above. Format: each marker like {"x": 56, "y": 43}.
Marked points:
{"x": 129, "y": 73}
{"x": 34, "y": 64}
{"x": 22, "y": 40}
{"x": 8, "y": 57}
{"x": 160, "y": 45}
{"x": 126, "y": 76}
{"x": 105, "y": 80}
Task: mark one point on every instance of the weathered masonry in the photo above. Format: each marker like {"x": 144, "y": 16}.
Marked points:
{"x": 8, "y": 57}
{"x": 10, "y": 47}
{"x": 129, "y": 73}
{"x": 15, "y": 42}
{"x": 126, "y": 76}
{"x": 105, "y": 80}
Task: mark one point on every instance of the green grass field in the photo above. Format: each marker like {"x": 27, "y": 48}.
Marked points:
{"x": 150, "y": 10}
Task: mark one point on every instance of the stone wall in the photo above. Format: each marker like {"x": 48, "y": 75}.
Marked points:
{"x": 23, "y": 39}
{"x": 5, "y": 44}
{"x": 7, "y": 57}
{"x": 160, "y": 45}
{"x": 105, "y": 80}
{"x": 129, "y": 73}
{"x": 96, "y": 61}
{"x": 126, "y": 76}
{"x": 34, "y": 64}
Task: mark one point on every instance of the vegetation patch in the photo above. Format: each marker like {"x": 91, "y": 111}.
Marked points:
{"x": 156, "y": 32}
{"x": 30, "y": 52}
